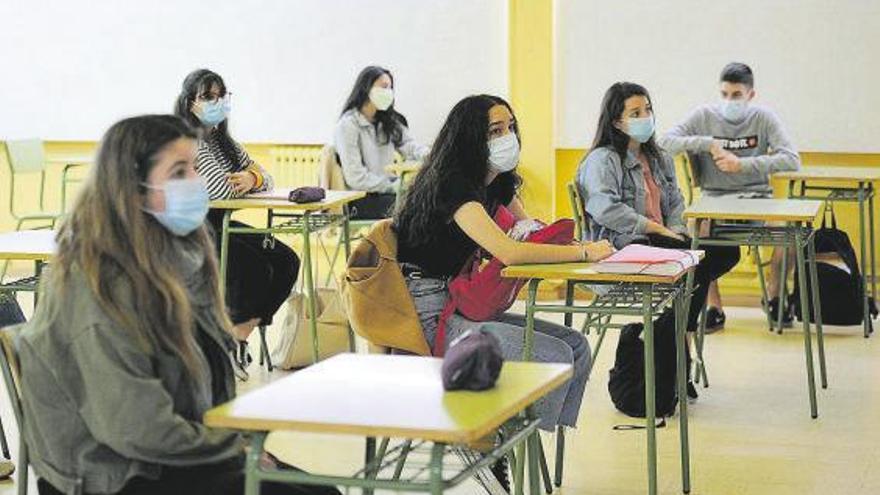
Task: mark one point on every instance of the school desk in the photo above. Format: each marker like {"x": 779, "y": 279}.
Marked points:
{"x": 300, "y": 218}
{"x": 27, "y": 245}
{"x": 771, "y": 222}
{"x": 844, "y": 185}
{"x": 630, "y": 295}
{"x": 394, "y": 396}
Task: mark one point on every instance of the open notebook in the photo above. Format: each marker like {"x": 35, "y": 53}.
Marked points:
{"x": 648, "y": 260}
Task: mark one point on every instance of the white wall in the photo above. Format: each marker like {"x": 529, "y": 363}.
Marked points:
{"x": 816, "y": 62}
{"x": 72, "y": 68}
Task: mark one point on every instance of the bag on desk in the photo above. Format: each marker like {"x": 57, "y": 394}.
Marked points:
{"x": 840, "y": 280}
{"x": 10, "y": 311}
{"x": 307, "y": 194}
{"x": 294, "y": 348}
{"x": 626, "y": 381}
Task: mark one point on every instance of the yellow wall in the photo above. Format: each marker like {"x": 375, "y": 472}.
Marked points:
{"x": 531, "y": 94}
{"x": 27, "y": 187}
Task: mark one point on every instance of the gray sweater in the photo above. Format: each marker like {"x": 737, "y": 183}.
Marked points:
{"x": 364, "y": 153}
{"x": 101, "y": 410}
{"x": 759, "y": 140}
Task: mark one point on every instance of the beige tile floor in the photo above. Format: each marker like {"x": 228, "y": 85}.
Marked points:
{"x": 751, "y": 432}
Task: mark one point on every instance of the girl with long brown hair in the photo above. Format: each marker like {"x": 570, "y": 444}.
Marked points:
{"x": 130, "y": 343}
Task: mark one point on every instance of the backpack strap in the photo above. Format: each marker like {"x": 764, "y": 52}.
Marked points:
{"x": 829, "y": 208}
{"x": 440, "y": 337}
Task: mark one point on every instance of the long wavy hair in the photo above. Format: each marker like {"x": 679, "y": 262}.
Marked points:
{"x": 607, "y": 134}
{"x": 113, "y": 243}
{"x": 197, "y": 83}
{"x": 461, "y": 151}
{"x": 387, "y": 121}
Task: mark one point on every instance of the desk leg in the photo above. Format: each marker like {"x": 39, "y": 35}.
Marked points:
{"x": 534, "y": 460}
{"x": 782, "y": 292}
{"x": 681, "y": 382}
{"x": 252, "y": 464}
{"x": 529, "y": 333}
{"x": 38, "y": 272}
{"x": 863, "y": 259}
{"x": 817, "y": 308}
{"x": 808, "y": 345}
{"x": 346, "y": 242}
{"x": 650, "y": 411}
{"x": 369, "y": 459}
{"x": 872, "y": 245}
{"x": 436, "y": 469}
{"x": 309, "y": 285}
{"x": 224, "y": 249}
{"x": 569, "y": 300}
{"x": 519, "y": 469}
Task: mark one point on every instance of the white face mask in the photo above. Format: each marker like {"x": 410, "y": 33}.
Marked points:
{"x": 504, "y": 153}
{"x": 734, "y": 110}
{"x": 382, "y": 98}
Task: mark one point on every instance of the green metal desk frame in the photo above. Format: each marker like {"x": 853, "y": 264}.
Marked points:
{"x": 647, "y": 301}
{"x": 863, "y": 194}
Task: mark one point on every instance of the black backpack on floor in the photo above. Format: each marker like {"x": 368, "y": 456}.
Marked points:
{"x": 10, "y": 311}
{"x": 626, "y": 381}
{"x": 840, "y": 291}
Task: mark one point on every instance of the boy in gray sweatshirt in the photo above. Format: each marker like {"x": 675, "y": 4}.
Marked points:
{"x": 733, "y": 147}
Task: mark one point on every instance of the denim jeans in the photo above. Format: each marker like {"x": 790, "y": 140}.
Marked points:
{"x": 553, "y": 344}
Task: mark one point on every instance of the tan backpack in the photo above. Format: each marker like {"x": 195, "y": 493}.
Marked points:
{"x": 374, "y": 293}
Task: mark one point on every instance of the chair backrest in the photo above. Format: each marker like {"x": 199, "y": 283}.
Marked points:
{"x": 577, "y": 211}
{"x": 686, "y": 172}
{"x": 26, "y": 155}
{"x": 329, "y": 171}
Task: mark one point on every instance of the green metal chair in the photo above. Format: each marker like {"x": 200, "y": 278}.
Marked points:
{"x": 26, "y": 157}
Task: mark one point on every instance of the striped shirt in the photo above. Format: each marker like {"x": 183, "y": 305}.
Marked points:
{"x": 213, "y": 165}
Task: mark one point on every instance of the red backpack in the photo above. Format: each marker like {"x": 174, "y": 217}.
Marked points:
{"x": 479, "y": 292}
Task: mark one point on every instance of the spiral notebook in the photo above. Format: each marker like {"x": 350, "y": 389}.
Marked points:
{"x": 638, "y": 259}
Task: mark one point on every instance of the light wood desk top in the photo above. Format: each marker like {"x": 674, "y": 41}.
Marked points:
{"x": 333, "y": 199}
{"x": 33, "y": 245}
{"x": 388, "y": 396}
{"x": 584, "y": 272}
{"x": 832, "y": 174}
{"x": 767, "y": 210}
{"x": 403, "y": 168}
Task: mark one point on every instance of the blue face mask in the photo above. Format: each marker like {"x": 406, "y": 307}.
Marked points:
{"x": 186, "y": 205}
{"x": 212, "y": 113}
{"x": 734, "y": 110}
{"x": 640, "y": 129}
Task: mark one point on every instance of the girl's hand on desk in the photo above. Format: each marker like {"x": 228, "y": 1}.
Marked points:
{"x": 596, "y": 251}
{"x": 241, "y": 182}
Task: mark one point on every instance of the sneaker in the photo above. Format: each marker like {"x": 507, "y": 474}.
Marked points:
{"x": 773, "y": 307}
{"x": 715, "y": 319}
{"x": 692, "y": 394}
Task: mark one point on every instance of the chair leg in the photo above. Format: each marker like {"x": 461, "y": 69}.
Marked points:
{"x": 401, "y": 461}
{"x": 264, "y": 349}
{"x": 560, "y": 454}
{"x": 700, "y": 368}
{"x": 545, "y": 471}
{"x": 22, "y": 468}
{"x": 765, "y": 299}
{"x": 3, "y": 444}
